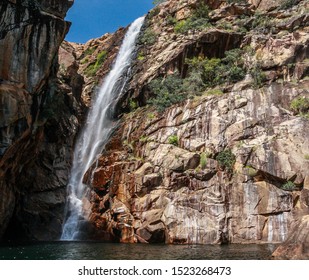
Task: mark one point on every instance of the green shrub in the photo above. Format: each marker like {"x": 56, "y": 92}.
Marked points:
{"x": 226, "y": 160}
{"x": 184, "y": 26}
{"x": 85, "y": 60}
{"x": 194, "y": 84}
{"x": 133, "y": 105}
{"x": 203, "y": 73}
{"x": 151, "y": 116}
{"x": 235, "y": 74}
{"x": 149, "y": 37}
{"x": 101, "y": 57}
{"x": 173, "y": 140}
{"x": 202, "y": 11}
{"x": 171, "y": 20}
{"x": 233, "y": 57}
{"x": 258, "y": 76}
{"x": 215, "y": 91}
{"x": 203, "y": 160}
{"x": 206, "y": 70}
{"x": 234, "y": 65}
{"x": 198, "y": 21}
{"x": 262, "y": 22}
{"x": 288, "y": 186}
{"x": 180, "y": 26}
{"x": 92, "y": 69}
{"x": 89, "y": 51}
{"x": 300, "y": 105}
{"x": 212, "y": 72}
{"x": 225, "y": 25}
{"x": 167, "y": 92}
{"x": 140, "y": 56}
{"x": 154, "y": 12}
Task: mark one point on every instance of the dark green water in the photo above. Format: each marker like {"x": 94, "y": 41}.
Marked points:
{"x": 108, "y": 251}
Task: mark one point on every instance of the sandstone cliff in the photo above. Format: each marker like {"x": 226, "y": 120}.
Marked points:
{"x": 38, "y": 118}
{"x": 215, "y": 163}
{"x": 213, "y": 141}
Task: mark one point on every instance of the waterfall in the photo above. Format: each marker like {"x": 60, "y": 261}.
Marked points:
{"x": 97, "y": 130}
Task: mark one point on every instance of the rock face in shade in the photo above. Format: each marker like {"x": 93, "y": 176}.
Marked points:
{"x": 38, "y": 118}
{"x": 30, "y": 37}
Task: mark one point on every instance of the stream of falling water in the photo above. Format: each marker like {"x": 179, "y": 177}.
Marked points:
{"x": 97, "y": 130}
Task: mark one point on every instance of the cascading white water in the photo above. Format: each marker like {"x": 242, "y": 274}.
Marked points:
{"x": 97, "y": 130}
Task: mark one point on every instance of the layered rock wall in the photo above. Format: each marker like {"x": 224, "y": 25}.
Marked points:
{"x": 168, "y": 194}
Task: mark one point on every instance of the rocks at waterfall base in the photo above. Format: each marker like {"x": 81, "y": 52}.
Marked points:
{"x": 39, "y": 117}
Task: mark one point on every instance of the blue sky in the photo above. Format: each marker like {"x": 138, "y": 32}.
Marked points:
{"x": 93, "y": 18}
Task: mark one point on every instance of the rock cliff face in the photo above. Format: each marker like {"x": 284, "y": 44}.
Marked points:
{"x": 231, "y": 163}
{"x": 168, "y": 193}
{"x": 38, "y": 118}
{"x": 207, "y": 158}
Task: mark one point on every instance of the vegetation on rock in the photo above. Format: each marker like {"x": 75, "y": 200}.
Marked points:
{"x": 92, "y": 69}
{"x": 173, "y": 140}
{"x": 252, "y": 172}
{"x": 203, "y": 160}
{"x": 133, "y": 105}
{"x": 300, "y": 105}
{"x": 149, "y": 37}
{"x": 157, "y": 2}
{"x": 198, "y": 21}
{"x": 202, "y": 74}
{"x": 288, "y": 186}
{"x": 168, "y": 91}
{"x": 226, "y": 160}
{"x": 140, "y": 56}
{"x": 89, "y": 51}
{"x": 258, "y": 76}
{"x": 262, "y": 23}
